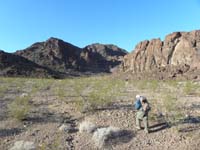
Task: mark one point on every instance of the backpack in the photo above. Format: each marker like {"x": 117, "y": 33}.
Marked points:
{"x": 148, "y": 108}
{"x": 137, "y": 104}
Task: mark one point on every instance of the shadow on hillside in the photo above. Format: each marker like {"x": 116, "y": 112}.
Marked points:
{"x": 10, "y": 132}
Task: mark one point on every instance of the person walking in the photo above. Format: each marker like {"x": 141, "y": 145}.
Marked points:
{"x": 142, "y": 113}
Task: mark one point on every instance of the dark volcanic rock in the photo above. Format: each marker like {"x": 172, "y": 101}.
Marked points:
{"x": 57, "y": 58}
{"x": 13, "y": 65}
{"x": 54, "y": 54}
{"x": 102, "y": 57}
{"x": 64, "y": 57}
{"x": 176, "y": 56}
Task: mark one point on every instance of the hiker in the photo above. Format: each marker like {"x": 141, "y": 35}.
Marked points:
{"x": 142, "y": 112}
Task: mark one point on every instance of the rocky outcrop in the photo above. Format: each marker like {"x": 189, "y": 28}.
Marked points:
{"x": 179, "y": 50}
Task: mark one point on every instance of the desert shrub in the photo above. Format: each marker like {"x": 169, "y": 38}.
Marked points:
{"x": 96, "y": 92}
{"x": 3, "y": 89}
{"x": 104, "y": 93}
{"x": 169, "y": 102}
{"x": 172, "y": 83}
{"x": 19, "y": 108}
{"x": 100, "y": 97}
{"x": 173, "y": 112}
{"x": 42, "y": 146}
{"x": 40, "y": 85}
{"x": 141, "y": 84}
{"x": 153, "y": 85}
{"x": 190, "y": 88}
{"x": 55, "y": 144}
{"x": 103, "y": 136}
{"x": 87, "y": 127}
{"x": 60, "y": 92}
{"x": 171, "y": 86}
{"x": 79, "y": 89}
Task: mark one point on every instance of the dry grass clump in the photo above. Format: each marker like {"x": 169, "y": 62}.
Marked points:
{"x": 87, "y": 127}
{"x": 23, "y": 145}
{"x": 103, "y": 136}
{"x": 19, "y": 108}
{"x": 96, "y": 92}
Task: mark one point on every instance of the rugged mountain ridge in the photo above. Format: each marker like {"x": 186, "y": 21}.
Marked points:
{"x": 13, "y": 65}
{"x": 178, "y": 54}
{"x": 61, "y": 58}
{"x": 65, "y": 57}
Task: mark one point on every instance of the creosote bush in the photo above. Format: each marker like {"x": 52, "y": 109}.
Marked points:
{"x": 190, "y": 88}
{"x": 91, "y": 93}
{"x": 19, "y": 108}
{"x": 2, "y": 91}
{"x": 173, "y": 112}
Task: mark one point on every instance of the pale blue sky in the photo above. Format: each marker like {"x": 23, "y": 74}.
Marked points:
{"x": 83, "y": 22}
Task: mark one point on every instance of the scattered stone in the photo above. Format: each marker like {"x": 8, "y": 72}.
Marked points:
{"x": 23, "y": 95}
{"x": 66, "y": 127}
{"x": 6, "y": 140}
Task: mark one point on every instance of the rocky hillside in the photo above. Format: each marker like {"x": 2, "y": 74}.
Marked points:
{"x": 13, "y": 65}
{"x": 54, "y": 54}
{"x": 177, "y": 55}
{"x": 64, "y": 57}
{"x": 102, "y": 57}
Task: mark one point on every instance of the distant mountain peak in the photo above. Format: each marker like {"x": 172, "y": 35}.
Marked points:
{"x": 53, "y": 40}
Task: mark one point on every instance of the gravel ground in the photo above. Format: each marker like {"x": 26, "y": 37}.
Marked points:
{"x": 49, "y": 114}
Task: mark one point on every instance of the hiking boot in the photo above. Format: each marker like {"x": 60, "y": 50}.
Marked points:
{"x": 139, "y": 128}
{"x": 146, "y": 131}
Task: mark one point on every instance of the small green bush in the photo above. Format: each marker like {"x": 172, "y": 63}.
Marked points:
{"x": 19, "y": 108}
{"x": 43, "y": 146}
{"x": 96, "y": 92}
{"x": 173, "y": 113}
{"x": 172, "y": 83}
{"x": 190, "y": 88}
{"x": 141, "y": 84}
{"x": 153, "y": 85}
{"x": 3, "y": 89}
